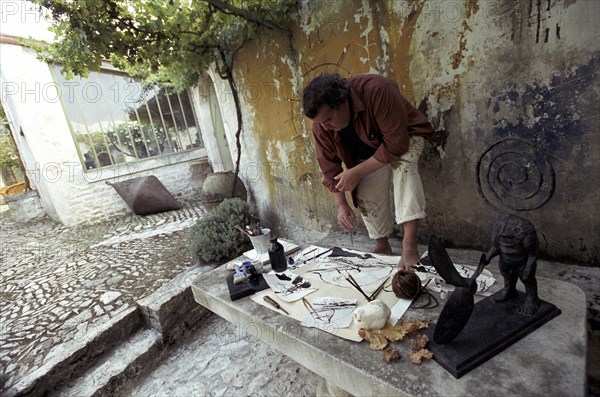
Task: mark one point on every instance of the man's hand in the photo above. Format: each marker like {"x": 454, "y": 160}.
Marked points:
{"x": 346, "y": 217}
{"x": 347, "y": 180}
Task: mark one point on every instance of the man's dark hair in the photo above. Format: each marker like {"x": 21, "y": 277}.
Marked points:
{"x": 327, "y": 89}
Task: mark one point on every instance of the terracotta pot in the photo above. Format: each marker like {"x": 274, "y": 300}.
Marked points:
{"x": 217, "y": 187}
{"x": 199, "y": 170}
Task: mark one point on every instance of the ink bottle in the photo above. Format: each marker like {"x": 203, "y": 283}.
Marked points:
{"x": 277, "y": 256}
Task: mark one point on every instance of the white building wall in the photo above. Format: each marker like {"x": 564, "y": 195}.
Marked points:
{"x": 69, "y": 194}
{"x": 252, "y": 156}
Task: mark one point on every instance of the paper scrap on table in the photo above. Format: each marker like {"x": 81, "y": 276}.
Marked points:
{"x": 484, "y": 281}
{"x": 330, "y": 312}
{"x": 288, "y": 286}
{"x": 368, "y": 273}
{"x": 307, "y": 254}
{"x": 399, "y": 309}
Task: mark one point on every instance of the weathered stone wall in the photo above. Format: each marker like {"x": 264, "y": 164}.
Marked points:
{"x": 511, "y": 87}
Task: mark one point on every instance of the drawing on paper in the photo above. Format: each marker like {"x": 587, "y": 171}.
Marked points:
{"x": 329, "y": 311}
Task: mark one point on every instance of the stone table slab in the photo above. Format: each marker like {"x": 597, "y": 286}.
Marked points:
{"x": 549, "y": 362}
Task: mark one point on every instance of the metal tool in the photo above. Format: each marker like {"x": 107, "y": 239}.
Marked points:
{"x": 373, "y": 296}
{"x": 353, "y": 283}
{"x": 311, "y": 310}
{"x": 276, "y": 305}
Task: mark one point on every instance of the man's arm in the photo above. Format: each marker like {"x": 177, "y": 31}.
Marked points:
{"x": 389, "y": 109}
{"x": 345, "y": 214}
{"x": 327, "y": 157}
{"x": 347, "y": 180}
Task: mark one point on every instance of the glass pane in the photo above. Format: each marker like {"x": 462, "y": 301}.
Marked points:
{"x": 116, "y": 119}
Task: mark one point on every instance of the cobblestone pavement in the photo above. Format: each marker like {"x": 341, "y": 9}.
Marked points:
{"x": 224, "y": 359}
{"x": 58, "y": 282}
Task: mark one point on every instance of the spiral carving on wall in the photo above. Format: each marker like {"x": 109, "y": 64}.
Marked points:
{"x": 514, "y": 174}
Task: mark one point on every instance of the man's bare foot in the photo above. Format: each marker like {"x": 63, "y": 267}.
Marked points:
{"x": 382, "y": 246}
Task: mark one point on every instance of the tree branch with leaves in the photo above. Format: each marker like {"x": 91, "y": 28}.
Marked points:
{"x": 168, "y": 42}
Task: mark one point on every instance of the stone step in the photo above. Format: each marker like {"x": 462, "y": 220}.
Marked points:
{"x": 70, "y": 360}
{"x": 131, "y": 358}
{"x": 106, "y": 354}
{"x": 167, "y": 313}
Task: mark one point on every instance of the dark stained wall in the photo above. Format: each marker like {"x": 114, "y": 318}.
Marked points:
{"x": 511, "y": 86}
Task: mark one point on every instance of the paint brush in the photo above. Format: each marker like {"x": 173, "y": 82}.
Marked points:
{"x": 353, "y": 282}
{"x": 312, "y": 250}
{"x": 276, "y": 305}
{"x": 378, "y": 290}
{"x": 323, "y": 253}
{"x": 243, "y": 231}
{"x": 304, "y": 259}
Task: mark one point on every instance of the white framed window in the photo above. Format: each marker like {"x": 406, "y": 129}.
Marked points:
{"x": 116, "y": 119}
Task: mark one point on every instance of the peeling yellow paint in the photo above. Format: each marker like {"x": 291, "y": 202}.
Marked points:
{"x": 452, "y": 63}
{"x": 365, "y": 38}
{"x": 400, "y": 28}
{"x": 472, "y": 8}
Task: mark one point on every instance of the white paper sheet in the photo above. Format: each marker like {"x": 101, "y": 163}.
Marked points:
{"x": 330, "y": 311}
{"x": 288, "y": 286}
{"x": 484, "y": 281}
{"x": 398, "y": 310}
{"x": 311, "y": 252}
{"x": 369, "y": 273}
{"x": 298, "y": 310}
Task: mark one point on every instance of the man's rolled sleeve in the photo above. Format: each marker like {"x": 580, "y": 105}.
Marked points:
{"x": 329, "y": 162}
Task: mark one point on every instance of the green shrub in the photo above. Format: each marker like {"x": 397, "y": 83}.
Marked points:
{"x": 214, "y": 238}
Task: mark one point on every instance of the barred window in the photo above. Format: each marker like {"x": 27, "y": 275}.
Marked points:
{"x": 116, "y": 119}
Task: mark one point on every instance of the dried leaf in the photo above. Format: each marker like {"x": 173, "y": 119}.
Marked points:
{"x": 409, "y": 326}
{"x": 418, "y": 356}
{"x": 391, "y": 354}
{"x": 419, "y": 342}
{"x": 374, "y": 337}
{"x": 379, "y": 337}
{"x": 403, "y": 328}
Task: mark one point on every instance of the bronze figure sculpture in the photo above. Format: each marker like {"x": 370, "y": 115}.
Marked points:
{"x": 467, "y": 334}
{"x": 515, "y": 240}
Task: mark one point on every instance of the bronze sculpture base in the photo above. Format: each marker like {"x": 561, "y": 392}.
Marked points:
{"x": 492, "y": 328}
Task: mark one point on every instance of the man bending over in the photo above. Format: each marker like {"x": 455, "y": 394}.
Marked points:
{"x": 366, "y": 124}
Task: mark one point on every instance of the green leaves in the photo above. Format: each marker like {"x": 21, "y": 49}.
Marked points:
{"x": 214, "y": 237}
{"x": 8, "y": 152}
{"x": 170, "y": 42}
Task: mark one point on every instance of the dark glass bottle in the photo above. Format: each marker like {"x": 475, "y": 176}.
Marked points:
{"x": 277, "y": 256}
